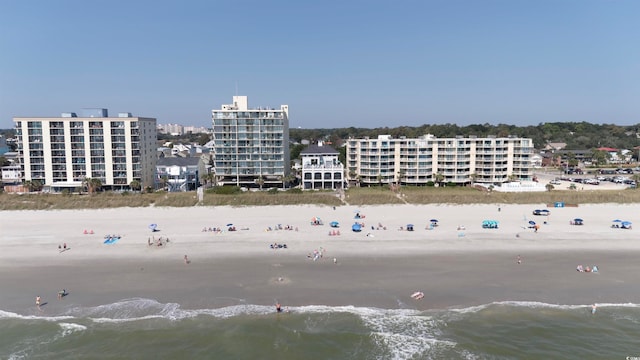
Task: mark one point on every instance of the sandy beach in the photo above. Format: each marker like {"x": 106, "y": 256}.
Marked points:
{"x": 457, "y": 263}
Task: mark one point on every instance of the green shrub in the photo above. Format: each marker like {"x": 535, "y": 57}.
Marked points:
{"x": 273, "y": 191}
{"x": 294, "y": 191}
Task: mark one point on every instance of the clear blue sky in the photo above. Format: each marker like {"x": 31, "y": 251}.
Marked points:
{"x": 344, "y": 63}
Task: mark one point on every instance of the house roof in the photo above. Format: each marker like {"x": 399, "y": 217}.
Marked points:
{"x": 607, "y": 149}
{"x": 315, "y": 149}
{"x": 178, "y": 161}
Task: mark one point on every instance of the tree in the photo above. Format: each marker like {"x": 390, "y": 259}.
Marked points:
{"x": 135, "y": 185}
{"x": 94, "y": 185}
{"x": 164, "y": 180}
{"x": 549, "y": 187}
{"x": 401, "y": 175}
{"x": 439, "y": 178}
{"x": 379, "y": 179}
{"x": 29, "y": 185}
{"x": 204, "y": 138}
{"x": 260, "y": 181}
{"x": 473, "y": 177}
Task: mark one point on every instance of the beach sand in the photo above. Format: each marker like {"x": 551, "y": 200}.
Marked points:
{"x": 374, "y": 268}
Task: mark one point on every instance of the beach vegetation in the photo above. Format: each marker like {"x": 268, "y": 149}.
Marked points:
{"x": 354, "y": 196}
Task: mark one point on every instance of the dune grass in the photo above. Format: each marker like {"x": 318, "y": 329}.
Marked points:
{"x": 353, "y": 196}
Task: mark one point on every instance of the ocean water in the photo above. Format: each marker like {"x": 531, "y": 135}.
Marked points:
{"x": 147, "y": 329}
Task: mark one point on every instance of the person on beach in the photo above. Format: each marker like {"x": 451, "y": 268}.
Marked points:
{"x": 62, "y": 293}
{"x": 519, "y": 259}
{"x": 186, "y": 259}
{"x": 593, "y": 308}
{"x": 38, "y": 301}
{"x": 278, "y": 307}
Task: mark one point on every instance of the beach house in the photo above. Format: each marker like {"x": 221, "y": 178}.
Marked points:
{"x": 321, "y": 168}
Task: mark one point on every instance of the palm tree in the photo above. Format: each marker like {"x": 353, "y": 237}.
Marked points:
{"x": 473, "y": 177}
{"x": 95, "y": 185}
{"x": 260, "y": 181}
{"x": 401, "y": 174}
{"x": 439, "y": 178}
{"x": 29, "y": 185}
{"x": 135, "y": 185}
{"x": 164, "y": 180}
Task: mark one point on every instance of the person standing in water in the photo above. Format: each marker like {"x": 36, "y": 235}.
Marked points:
{"x": 593, "y": 308}
{"x": 278, "y": 307}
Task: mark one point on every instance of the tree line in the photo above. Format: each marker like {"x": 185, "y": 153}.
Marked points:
{"x": 577, "y": 135}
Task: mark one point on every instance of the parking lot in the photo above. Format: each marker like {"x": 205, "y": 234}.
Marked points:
{"x": 562, "y": 181}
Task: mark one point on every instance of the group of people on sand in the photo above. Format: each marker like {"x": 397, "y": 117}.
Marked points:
{"x": 593, "y": 269}
{"x": 159, "y": 242}
{"x": 280, "y": 227}
{"x": 276, "y": 246}
{"x": 63, "y": 247}
{"x": 212, "y": 229}
{"x": 334, "y": 232}
{"x": 317, "y": 254}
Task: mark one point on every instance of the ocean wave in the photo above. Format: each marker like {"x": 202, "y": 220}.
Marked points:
{"x": 12, "y": 315}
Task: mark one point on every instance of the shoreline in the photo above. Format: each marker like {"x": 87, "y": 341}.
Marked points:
{"x": 449, "y": 280}
{"x": 380, "y": 270}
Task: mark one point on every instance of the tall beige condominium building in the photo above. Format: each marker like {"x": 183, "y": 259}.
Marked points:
{"x": 251, "y": 144}
{"x": 459, "y": 160}
{"x": 61, "y": 152}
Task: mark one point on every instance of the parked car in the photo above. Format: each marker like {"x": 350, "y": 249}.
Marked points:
{"x": 555, "y": 182}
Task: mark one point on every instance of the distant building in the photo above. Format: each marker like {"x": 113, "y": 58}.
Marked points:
{"x": 321, "y": 168}
{"x": 195, "y": 130}
{"x": 456, "y": 160}
{"x": 171, "y": 129}
{"x": 250, "y": 144}
{"x": 61, "y": 152}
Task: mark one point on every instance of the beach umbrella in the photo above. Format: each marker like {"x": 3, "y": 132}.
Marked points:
{"x": 434, "y": 220}
{"x": 617, "y": 220}
{"x": 626, "y": 223}
{"x": 577, "y": 219}
{"x": 153, "y": 227}
{"x": 531, "y": 222}
{"x": 229, "y": 224}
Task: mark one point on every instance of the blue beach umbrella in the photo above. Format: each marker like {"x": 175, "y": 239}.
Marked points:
{"x": 531, "y": 222}
{"x": 153, "y": 227}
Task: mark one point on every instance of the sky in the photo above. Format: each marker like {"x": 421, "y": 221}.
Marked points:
{"x": 337, "y": 64}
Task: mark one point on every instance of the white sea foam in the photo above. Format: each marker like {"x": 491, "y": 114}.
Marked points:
{"x": 12, "y": 315}
{"x": 70, "y": 328}
{"x": 535, "y": 305}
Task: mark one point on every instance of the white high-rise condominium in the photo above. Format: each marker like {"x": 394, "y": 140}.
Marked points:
{"x": 61, "y": 152}
{"x": 251, "y": 145}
